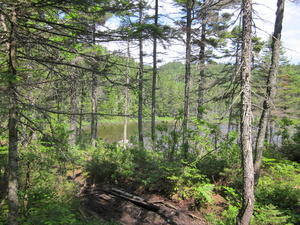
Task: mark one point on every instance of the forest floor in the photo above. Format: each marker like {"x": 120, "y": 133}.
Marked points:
{"x": 102, "y": 204}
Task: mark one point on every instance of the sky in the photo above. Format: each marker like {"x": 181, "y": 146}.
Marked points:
{"x": 291, "y": 26}
{"x": 264, "y": 18}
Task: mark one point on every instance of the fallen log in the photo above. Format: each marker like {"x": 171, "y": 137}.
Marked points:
{"x": 104, "y": 197}
{"x": 126, "y": 194}
{"x": 165, "y": 203}
{"x": 134, "y": 199}
{"x": 194, "y": 216}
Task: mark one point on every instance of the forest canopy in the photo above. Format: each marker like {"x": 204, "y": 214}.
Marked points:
{"x": 221, "y": 121}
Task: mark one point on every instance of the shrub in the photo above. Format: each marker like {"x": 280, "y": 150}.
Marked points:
{"x": 189, "y": 183}
{"x": 279, "y": 187}
{"x": 50, "y": 214}
{"x": 291, "y": 148}
{"x": 269, "y": 215}
{"x": 110, "y": 164}
{"x": 47, "y": 203}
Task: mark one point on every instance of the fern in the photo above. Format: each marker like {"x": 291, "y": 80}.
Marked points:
{"x": 203, "y": 192}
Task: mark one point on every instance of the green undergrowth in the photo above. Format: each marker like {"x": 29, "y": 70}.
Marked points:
{"x": 163, "y": 167}
{"x": 144, "y": 168}
{"x": 277, "y": 196}
{"x": 211, "y": 167}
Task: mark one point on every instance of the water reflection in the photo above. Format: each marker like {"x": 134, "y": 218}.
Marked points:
{"x": 114, "y": 132}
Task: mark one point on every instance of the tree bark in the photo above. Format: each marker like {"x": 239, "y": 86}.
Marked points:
{"x": 235, "y": 85}
{"x": 126, "y": 96}
{"x": 13, "y": 159}
{"x": 81, "y": 114}
{"x": 94, "y": 120}
{"x": 13, "y": 125}
{"x": 141, "y": 88}
{"x": 271, "y": 89}
{"x": 245, "y": 213}
{"x": 189, "y": 6}
{"x": 73, "y": 109}
{"x": 153, "y": 109}
{"x": 202, "y": 69}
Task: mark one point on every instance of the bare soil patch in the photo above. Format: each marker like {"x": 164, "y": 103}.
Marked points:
{"x": 99, "y": 202}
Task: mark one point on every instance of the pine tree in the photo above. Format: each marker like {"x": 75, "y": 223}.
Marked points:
{"x": 246, "y": 211}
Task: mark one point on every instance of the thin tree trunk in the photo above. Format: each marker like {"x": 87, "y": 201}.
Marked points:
{"x": 236, "y": 72}
{"x": 202, "y": 70}
{"x": 81, "y": 116}
{"x": 271, "y": 130}
{"x": 140, "y": 93}
{"x": 32, "y": 134}
{"x": 26, "y": 187}
{"x": 153, "y": 110}
{"x": 245, "y": 214}
{"x": 94, "y": 120}
{"x": 230, "y": 119}
{"x": 73, "y": 110}
{"x": 13, "y": 159}
{"x": 13, "y": 126}
{"x": 58, "y": 102}
{"x": 126, "y": 96}
{"x": 189, "y": 7}
{"x": 271, "y": 89}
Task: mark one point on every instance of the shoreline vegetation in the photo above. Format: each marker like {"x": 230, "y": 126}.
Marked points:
{"x": 146, "y": 119}
{"x": 64, "y": 96}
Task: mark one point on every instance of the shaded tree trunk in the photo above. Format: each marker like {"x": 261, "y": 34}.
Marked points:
{"x": 189, "y": 7}
{"x": 271, "y": 132}
{"x": 245, "y": 213}
{"x": 271, "y": 89}
{"x": 200, "y": 109}
{"x": 94, "y": 119}
{"x": 13, "y": 159}
{"x": 73, "y": 109}
{"x": 141, "y": 88}
{"x": 153, "y": 109}
{"x": 126, "y": 95}
{"x": 13, "y": 120}
{"x": 81, "y": 116}
{"x": 32, "y": 136}
{"x": 235, "y": 85}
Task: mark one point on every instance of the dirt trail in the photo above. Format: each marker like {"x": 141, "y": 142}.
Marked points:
{"x": 100, "y": 203}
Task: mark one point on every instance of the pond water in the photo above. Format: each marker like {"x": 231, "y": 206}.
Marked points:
{"x": 114, "y": 132}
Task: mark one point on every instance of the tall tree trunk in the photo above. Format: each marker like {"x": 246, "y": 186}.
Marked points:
{"x": 271, "y": 131}
{"x": 13, "y": 158}
{"x": 32, "y": 134}
{"x": 153, "y": 109}
{"x": 235, "y": 84}
{"x": 271, "y": 89}
{"x": 126, "y": 96}
{"x": 94, "y": 120}
{"x": 73, "y": 109}
{"x": 246, "y": 211}
{"x": 13, "y": 125}
{"x": 141, "y": 88}
{"x": 231, "y": 112}
{"x": 81, "y": 114}
{"x": 189, "y": 7}
{"x": 202, "y": 71}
